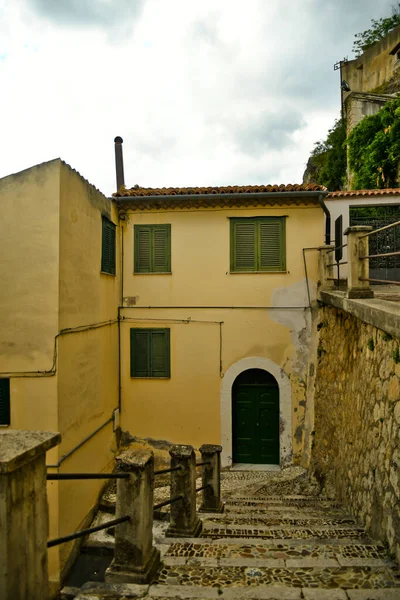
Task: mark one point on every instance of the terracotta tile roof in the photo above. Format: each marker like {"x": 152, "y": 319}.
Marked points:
{"x": 229, "y": 189}
{"x": 364, "y": 193}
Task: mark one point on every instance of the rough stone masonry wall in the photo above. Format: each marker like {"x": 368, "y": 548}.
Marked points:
{"x": 356, "y": 437}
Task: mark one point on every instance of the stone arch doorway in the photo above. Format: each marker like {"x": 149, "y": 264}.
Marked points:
{"x": 255, "y": 418}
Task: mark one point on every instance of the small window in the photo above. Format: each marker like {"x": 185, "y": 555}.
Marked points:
{"x": 4, "y": 401}
{"x": 258, "y": 245}
{"x": 152, "y": 249}
{"x": 150, "y": 353}
{"x": 108, "y": 247}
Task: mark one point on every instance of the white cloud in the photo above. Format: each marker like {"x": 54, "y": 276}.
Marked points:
{"x": 203, "y": 92}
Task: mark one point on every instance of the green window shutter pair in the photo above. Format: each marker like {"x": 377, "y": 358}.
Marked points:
{"x": 4, "y": 401}
{"x": 108, "y": 247}
{"x": 152, "y": 248}
{"x": 258, "y": 244}
{"x": 150, "y": 353}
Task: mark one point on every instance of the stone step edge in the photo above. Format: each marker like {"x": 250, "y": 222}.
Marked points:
{"x": 177, "y": 592}
{"x": 277, "y": 563}
{"x": 240, "y": 541}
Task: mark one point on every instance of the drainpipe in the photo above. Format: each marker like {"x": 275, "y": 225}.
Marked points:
{"x": 119, "y": 162}
{"x": 327, "y": 220}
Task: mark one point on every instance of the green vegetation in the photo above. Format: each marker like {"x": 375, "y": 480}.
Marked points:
{"x": 327, "y": 163}
{"x": 386, "y": 337}
{"x": 379, "y": 28}
{"x": 371, "y": 345}
{"x": 374, "y": 148}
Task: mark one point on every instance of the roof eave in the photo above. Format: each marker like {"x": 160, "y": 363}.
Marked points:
{"x": 237, "y": 196}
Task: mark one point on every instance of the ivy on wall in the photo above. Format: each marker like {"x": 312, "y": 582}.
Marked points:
{"x": 374, "y": 149}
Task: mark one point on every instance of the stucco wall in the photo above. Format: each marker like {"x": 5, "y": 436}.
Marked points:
{"x": 29, "y": 269}
{"x": 187, "y": 407}
{"x": 87, "y": 360}
{"x": 356, "y": 448}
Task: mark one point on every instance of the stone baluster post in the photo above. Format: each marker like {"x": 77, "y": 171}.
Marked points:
{"x": 24, "y": 520}
{"x": 326, "y": 273}
{"x": 135, "y": 558}
{"x": 357, "y": 246}
{"x": 184, "y": 521}
{"x": 211, "y": 478}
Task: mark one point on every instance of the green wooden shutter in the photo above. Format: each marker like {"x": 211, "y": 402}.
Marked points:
{"x": 140, "y": 353}
{"x": 243, "y": 245}
{"x": 271, "y": 244}
{"x": 108, "y": 247}
{"x": 160, "y": 362}
{"x": 142, "y": 249}
{"x": 4, "y": 402}
{"x": 161, "y": 249}
{"x": 150, "y": 353}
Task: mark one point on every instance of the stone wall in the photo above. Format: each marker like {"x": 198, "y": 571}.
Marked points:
{"x": 355, "y": 442}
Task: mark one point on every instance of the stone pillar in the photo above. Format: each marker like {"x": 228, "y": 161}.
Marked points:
{"x": 184, "y": 521}
{"x": 135, "y": 558}
{"x": 326, "y": 274}
{"x": 211, "y": 478}
{"x": 357, "y": 246}
{"x": 24, "y": 520}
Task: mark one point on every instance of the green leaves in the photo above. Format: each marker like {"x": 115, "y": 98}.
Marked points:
{"x": 374, "y": 149}
{"x": 377, "y": 31}
{"x": 328, "y": 159}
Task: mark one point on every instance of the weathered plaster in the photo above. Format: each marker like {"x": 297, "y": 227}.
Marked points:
{"x": 285, "y": 401}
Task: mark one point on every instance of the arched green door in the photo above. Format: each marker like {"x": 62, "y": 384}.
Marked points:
{"x": 255, "y": 417}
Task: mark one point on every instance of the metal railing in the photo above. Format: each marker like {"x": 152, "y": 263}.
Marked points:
{"x": 380, "y": 255}
{"x": 134, "y": 551}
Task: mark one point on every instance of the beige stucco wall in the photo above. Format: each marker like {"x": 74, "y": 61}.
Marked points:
{"x": 50, "y": 259}
{"x": 374, "y": 67}
{"x": 87, "y": 360}
{"x": 29, "y": 254}
{"x": 187, "y": 408}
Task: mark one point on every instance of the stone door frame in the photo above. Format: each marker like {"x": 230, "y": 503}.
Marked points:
{"x": 285, "y": 409}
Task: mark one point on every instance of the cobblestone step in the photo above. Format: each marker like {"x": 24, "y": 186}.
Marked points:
{"x": 102, "y": 591}
{"x": 324, "y": 577}
{"x": 286, "y": 533}
{"x": 277, "y": 520}
{"x": 286, "y": 551}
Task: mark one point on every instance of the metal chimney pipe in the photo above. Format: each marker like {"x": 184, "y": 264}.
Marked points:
{"x": 119, "y": 162}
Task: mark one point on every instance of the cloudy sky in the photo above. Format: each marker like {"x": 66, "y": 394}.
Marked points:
{"x": 203, "y": 92}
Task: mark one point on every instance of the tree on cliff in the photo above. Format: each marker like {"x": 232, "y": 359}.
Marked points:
{"x": 327, "y": 163}
{"x": 379, "y": 28}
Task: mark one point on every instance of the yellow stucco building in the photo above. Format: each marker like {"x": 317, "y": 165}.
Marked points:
{"x": 215, "y": 294}
{"x": 182, "y": 315}
{"x": 59, "y": 332}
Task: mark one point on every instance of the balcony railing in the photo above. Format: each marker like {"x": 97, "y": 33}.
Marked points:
{"x": 358, "y": 277}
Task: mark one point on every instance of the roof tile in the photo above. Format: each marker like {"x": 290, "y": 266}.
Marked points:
{"x": 363, "y": 193}
{"x": 229, "y": 189}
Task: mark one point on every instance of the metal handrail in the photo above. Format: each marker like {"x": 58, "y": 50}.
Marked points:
{"x": 336, "y": 248}
{"x": 166, "y": 502}
{"x": 161, "y": 471}
{"x": 337, "y": 264}
{"x": 84, "y": 532}
{"x": 201, "y": 464}
{"x": 379, "y": 255}
{"x": 203, "y": 487}
{"x": 56, "y": 476}
{"x": 380, "y": 229}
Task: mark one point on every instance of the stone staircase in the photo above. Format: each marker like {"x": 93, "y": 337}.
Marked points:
{"x": 287, "y": 547}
